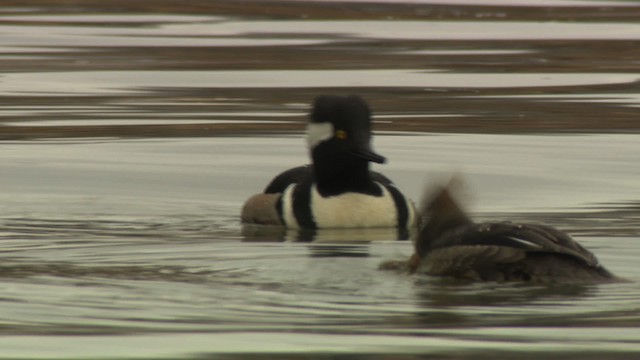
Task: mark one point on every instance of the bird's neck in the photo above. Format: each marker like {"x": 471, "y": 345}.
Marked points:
{"x": 441, "y": 215}
{"x": 334, "y": 177}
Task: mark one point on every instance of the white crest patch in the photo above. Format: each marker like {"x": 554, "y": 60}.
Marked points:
{"x": 318, "y": 132}
{"x": 352, "y": 210}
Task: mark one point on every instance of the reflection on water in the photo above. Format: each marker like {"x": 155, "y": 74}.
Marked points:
{"x": 131, "y": 133}
{"x": 252, "y": 232}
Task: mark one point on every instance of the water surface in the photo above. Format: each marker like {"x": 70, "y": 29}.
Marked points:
{"x": 131, "y": 134}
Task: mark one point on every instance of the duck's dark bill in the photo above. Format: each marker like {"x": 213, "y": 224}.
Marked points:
{"x": 368, "y": 154}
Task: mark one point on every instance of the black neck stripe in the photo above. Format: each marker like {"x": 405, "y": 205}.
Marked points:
{"x": 301, "y": 205}
{"x": 279, "y": 209}
{"x": 402, "y": 208}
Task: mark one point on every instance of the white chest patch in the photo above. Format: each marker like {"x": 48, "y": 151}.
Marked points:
{"x": 288, "y": 217}
{"x": 354, "y": 210}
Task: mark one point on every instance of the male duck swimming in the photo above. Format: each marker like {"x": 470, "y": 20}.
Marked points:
{"x": 451, "y": 244}
{"x": 337, "y": 190}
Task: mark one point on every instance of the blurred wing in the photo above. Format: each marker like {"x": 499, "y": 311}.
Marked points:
{"x": 527, "y": 237}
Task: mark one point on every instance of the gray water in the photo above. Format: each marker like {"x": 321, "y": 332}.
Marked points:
{"x": 132, "y": 132}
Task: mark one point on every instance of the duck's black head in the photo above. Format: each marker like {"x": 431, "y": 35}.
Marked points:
{"x": 344, "y": 124}
{"x": 339, "y": 139}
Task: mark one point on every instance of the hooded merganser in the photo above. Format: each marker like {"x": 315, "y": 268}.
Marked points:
{"x": 337, "y": 190}
{"x": 451, "y": 244}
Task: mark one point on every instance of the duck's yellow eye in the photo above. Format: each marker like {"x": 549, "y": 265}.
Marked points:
{"x": 341, "y": 134}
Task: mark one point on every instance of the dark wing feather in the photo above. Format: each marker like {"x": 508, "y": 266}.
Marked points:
{"x": 527, "y": 237}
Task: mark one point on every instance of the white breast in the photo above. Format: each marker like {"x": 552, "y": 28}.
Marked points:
{"x": 353, "y": 210}
{"x": 288, "y": 216}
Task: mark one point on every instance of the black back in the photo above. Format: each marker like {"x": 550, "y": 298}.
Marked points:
{"x": 292, "y": 176}
{"x": 301, "y": 173}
